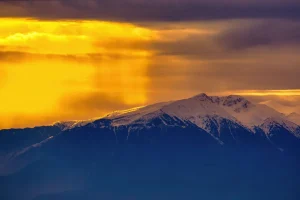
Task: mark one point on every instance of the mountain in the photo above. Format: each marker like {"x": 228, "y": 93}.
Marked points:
{"x": 15, "y": 141}
{"x": 168, "y": 150}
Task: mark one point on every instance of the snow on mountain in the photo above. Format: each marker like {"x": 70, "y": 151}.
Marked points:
{"x": 197, "y": 106}
{"x": 64, "y": 125}
{"x": 270, "y": 123}
{"x": 294, "y": 117}
{"x": 253, "y": 115}
{"x": 126, "y": 117}
{"x": 72, "y": 124}
{"x": 199, "y": 109}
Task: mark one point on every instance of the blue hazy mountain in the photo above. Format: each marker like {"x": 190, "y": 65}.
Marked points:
{"x": 197, "y": 148}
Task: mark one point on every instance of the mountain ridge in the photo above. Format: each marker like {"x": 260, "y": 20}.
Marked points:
{"x": 221, "y": 117}
{"x": 233, "y": 107}
{"x": 208, "y": 113}
{"x": 208, "y": 137}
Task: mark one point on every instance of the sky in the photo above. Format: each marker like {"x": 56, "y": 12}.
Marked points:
{"x": 80, "y": 59}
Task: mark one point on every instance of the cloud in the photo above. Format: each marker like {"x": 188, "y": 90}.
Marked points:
{"x": 263, "y": 33}
{"x": 93, "y": 102}
{"x": 11, "y": 56}
{"x": 231, "y": 55}
{"x": 194, "y": 76}
{"x": 20, "y": 56}
{"x": 155, "y": 10}
{"x": 231, "y": 40}
{"x": 228, "y": 59}
{"x": 284, "y": 104}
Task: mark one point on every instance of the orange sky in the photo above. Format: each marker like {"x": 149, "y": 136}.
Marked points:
{"x": 63, "y": 70}
{"x": 43, "y": 63}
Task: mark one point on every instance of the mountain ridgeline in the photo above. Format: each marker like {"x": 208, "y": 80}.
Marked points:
{"x": 197, "y": 148}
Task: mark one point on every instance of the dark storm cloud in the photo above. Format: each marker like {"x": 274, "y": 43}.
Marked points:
{"x": 154, "y": 10}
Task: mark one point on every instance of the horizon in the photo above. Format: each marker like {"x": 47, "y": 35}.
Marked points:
{"x": 62, "y": 60}
{"x": 142, "y": 106}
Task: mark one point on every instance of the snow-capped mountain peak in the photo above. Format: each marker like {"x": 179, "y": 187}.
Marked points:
{"x": 197, "y": 106}
{"x": 197, "y": 110}
{"x": 226, "y": 120}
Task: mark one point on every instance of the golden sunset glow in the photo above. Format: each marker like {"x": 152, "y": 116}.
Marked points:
{"x": 55, "y": 70}
{"x": 45, "y": 62}
{"x": 67, "y": 37}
